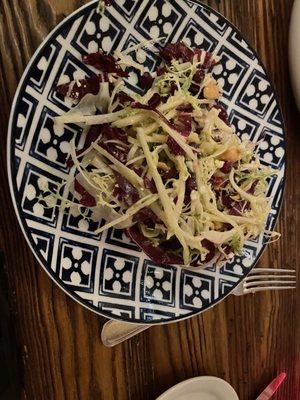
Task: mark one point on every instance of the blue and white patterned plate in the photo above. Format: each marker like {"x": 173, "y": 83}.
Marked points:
{"x": 106, "y": 273}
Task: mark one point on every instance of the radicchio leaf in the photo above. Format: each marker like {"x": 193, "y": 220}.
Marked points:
{"x": 87, "y": 199}
{"x": 157, "y": 254}
{"x": 174, "y": 147}
{"x": 185, "y": 107}
{"x": 124, "y": 98}
{"x": 197, "y": 80}
{"x": 198, "y": 52}
{"x": 171, "y": 244}
{"x": 109, "y": 132}
{"x": 154, "y": 101}
{"x": 211, "y": 250}
{"x": 218, "y": 181}
{"x": 125, "y": 191}
{"x": 104, "y": 62}
{"x": 209, "y": 256}
{"x": 138, "y": 170}
{"x": 190, "y": 185}
{"x": 222, "y": 113}
{"x": 227, "y": 249}
{"x": 146, "y": 80}
{"x": 208, "y": 61}
{"x": 147, "y": 217}
{"x": 183, "y": 123}
{"x": 226, "y": 200}
{"x": 199, "y": 75}
{"x": 194, "y": 88}
{"x": 112, "y": 133}
{"x": 80, "y": 88}
{"x": 150, "y": 184}
{"x": 253, "y": 186}
{"x": 176, "y": 51}
{"x": 115, "y": 151}
{"x": 92, "y": 135}
{"x": 173, "y": 88}
{"x": 161, "y": 70}
{"x": 226, "y": 167}
{"x": 170, "y": 174}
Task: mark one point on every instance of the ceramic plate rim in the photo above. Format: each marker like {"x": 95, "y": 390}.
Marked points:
{"x": 68, "y": 291}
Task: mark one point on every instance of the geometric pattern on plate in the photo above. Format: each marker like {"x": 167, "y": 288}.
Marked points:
{"x": 107, "y": 273}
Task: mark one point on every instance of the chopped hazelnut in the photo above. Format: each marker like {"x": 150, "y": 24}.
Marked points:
{"x": 233, "y": 154}
{"x": 211, "y": 91}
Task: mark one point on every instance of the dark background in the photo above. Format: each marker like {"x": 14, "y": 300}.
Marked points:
{"x": 51, "y": 346}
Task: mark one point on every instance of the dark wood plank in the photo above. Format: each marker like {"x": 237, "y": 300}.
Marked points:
{"x": 246, "y": 340}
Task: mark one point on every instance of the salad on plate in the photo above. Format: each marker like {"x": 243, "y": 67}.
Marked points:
{"x": 165, "y": 165}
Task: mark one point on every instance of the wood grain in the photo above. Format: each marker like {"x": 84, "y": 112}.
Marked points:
{"x": 246, "y": 340}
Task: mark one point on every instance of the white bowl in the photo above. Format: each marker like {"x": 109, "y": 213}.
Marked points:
{"x": 201, "y": 387}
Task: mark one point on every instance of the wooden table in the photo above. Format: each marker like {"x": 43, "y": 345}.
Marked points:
{"x": 246, "y": 340}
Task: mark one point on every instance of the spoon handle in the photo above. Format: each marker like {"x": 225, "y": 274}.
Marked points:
{"x": 115, "y": 332}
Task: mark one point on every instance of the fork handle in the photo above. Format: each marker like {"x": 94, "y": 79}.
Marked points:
{"x": 115, "y": 332}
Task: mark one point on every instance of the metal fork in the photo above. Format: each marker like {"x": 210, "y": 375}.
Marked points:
{"x": 261, "y": 279}
{"x": 258, "y": 280}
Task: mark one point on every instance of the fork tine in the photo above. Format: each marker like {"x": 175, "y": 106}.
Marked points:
{"x": 259, "y": 277}
{"x": 262, "y": 289}
{"x": 267, "y": 282}
{"x": 271, "y": 270}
